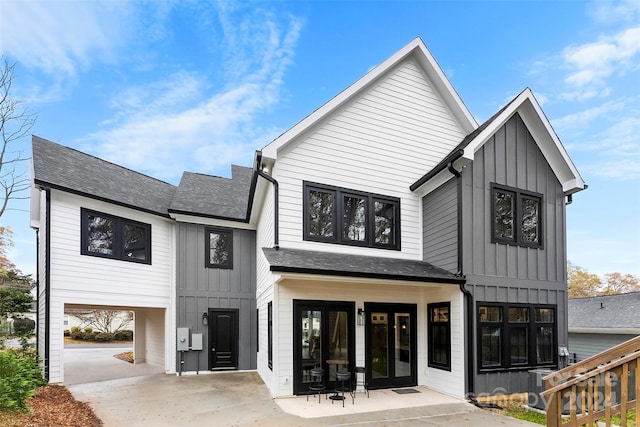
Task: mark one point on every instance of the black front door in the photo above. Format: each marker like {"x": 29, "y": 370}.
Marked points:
{"x": 390, "y": 345}
{"x": 323, "y": 330}
{"x": 223, "y": 330}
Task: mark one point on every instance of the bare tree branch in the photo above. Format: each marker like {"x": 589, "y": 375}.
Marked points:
{"x": 16, "y": 122}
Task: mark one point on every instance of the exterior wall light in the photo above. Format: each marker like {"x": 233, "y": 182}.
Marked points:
{"x": 360, "y": 317}
{"x": 205, "y": 318}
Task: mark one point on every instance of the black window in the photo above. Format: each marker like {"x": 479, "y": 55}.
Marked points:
{"x": 348, "y": 217}
{"x": 218, "y": 248}
{"x": 109, "y": 236}
{"x": 270, "y": 333}
{"x": 515, "y": 336}
{"x": 516, "y": 216}
{"x": 439, "y": 329}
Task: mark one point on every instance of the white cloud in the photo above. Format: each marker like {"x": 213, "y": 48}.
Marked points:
{"x": 592, "y": 63}
{"x": 63, "y": 37}
{"x": 181, "y": 123}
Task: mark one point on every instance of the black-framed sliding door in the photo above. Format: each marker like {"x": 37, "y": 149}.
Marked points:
{"x": 390, "y": 345}
{"x": 322, "y": 330}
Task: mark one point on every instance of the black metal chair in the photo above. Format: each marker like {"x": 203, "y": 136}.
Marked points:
{"x": 345, "y": 386}
{"x": 316, "y": 385}
{"x": 361, "y": 380}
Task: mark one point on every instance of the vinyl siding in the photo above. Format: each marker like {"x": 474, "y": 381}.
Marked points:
{"x": 440, "y": 219}
{"x": 81, "y": 279}
{"x": 200, "y": 289}
{"x": 451, "y": 383}
{"x": 587, "y": 345}
{"x": 380, "y": 142}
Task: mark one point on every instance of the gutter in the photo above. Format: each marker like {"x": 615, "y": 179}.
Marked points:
{"x": 257, "y": 169}
{"x": 447, "y": 162}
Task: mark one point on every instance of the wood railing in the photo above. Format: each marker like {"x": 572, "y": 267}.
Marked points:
{"x": 596, "y": 388}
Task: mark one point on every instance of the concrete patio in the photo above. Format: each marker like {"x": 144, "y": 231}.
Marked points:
{"x": 139, "y": 397}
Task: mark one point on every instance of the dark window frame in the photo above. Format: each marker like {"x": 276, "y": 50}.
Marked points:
{"x": 505, "y": 327}
{"x": 207, "y": 247}
{"x": 338, "y": 237}
{"x": 518, "y": 196}
{"x": 119, "y": 224}
{"x": 270, "y": 334}
{"x": 431, "y": 325}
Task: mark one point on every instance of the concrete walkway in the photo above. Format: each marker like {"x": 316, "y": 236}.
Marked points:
{"x": 140, "y": 398}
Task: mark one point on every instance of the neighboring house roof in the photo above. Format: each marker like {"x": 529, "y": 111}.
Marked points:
{"x": 213, "y": 196}
{"x": 418, "y": 49}
{"x": 526, "y": 105}
{"x": 63, "y": 168}
{"x": 605, "y": 314}
{"x": 339, "y": 264}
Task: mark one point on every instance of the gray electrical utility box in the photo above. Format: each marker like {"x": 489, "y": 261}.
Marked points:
{"x": 182, "y": 339}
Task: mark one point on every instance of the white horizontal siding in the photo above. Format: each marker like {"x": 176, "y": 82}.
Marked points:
{"x": 381, "y": 142}
{"x": 451, "y": 383}
{"x": 82, "y": 279}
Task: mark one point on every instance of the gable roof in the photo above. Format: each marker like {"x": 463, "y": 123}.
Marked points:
{"x": 213, "y": 196}
{"x": 415, "y": 48}
{"x": 372, "y": 267}
{"x": 605, "y": 312}
{"x": 526, "y": 105}
{"x": 63, "y": 168}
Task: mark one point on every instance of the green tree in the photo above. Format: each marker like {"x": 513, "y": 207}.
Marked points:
{"x": 581, "y": 283}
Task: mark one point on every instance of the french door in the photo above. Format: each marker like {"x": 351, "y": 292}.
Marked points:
{"x": 322, "y": 330}
{"x": 390, "y": 345}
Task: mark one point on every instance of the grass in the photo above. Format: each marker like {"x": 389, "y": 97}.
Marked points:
{"x": 522, "y": 413}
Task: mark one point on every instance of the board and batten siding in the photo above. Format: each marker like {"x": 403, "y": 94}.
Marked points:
{"x": 200, "y": 288}
{"x": 87, "y": 280}
{"x": 380, "y": 142}
{"x": 440, "y": 219}
{"x": 509, "y": 273}
{"x": 511, "y": 157}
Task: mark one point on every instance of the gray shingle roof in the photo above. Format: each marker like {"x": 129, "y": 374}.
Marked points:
{"x": 611, "y": 311}
{"x": 335, "y": 264}
{"x": 67, "y": 169}
{"x": 213, "y": 196}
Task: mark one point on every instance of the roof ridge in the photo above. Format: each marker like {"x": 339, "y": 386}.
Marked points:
{"x": 102, "y": 160}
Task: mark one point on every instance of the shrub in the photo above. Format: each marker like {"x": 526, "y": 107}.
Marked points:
{"x": 124, "y": 335}
{"x": 104, "y": 336}
{"x": 76, "y": 334}
{"x": 88, "y": 329}
{"x": 75, "y": 329}
{"x": 23, "y": 326}
{"x": 88, "y": 335}
{"x": 20, "y": 375}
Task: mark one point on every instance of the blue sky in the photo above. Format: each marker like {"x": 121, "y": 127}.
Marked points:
{"x": 167, "y": 86}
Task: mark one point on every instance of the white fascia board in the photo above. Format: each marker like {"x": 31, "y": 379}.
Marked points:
{"x": 430, "y": 66}
{"x": 441, "y": 178}
{"x": 194, "y": 219}
{"x": 542, "y": 132}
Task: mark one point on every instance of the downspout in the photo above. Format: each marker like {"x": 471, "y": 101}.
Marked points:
{"x": 47, "y": 284}
{"x": 276, "y": 210}
{"x": 468, "y": 296}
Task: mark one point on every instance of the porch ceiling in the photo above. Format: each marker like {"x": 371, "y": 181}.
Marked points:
{"x": 337, "y": 264}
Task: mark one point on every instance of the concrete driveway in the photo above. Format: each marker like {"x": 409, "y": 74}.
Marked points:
{"x": 140, "y": 398}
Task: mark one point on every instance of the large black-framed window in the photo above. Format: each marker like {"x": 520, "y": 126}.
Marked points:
{"x": 516, "y": 336}
{"x": 270, "y": 334}
{"x": 348, "y": 217}
{"x": 218, "y": 248}
{"x": 109, "y": 236}
{"x": 516, "y": 216}
{"x": 439, "y": 330}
